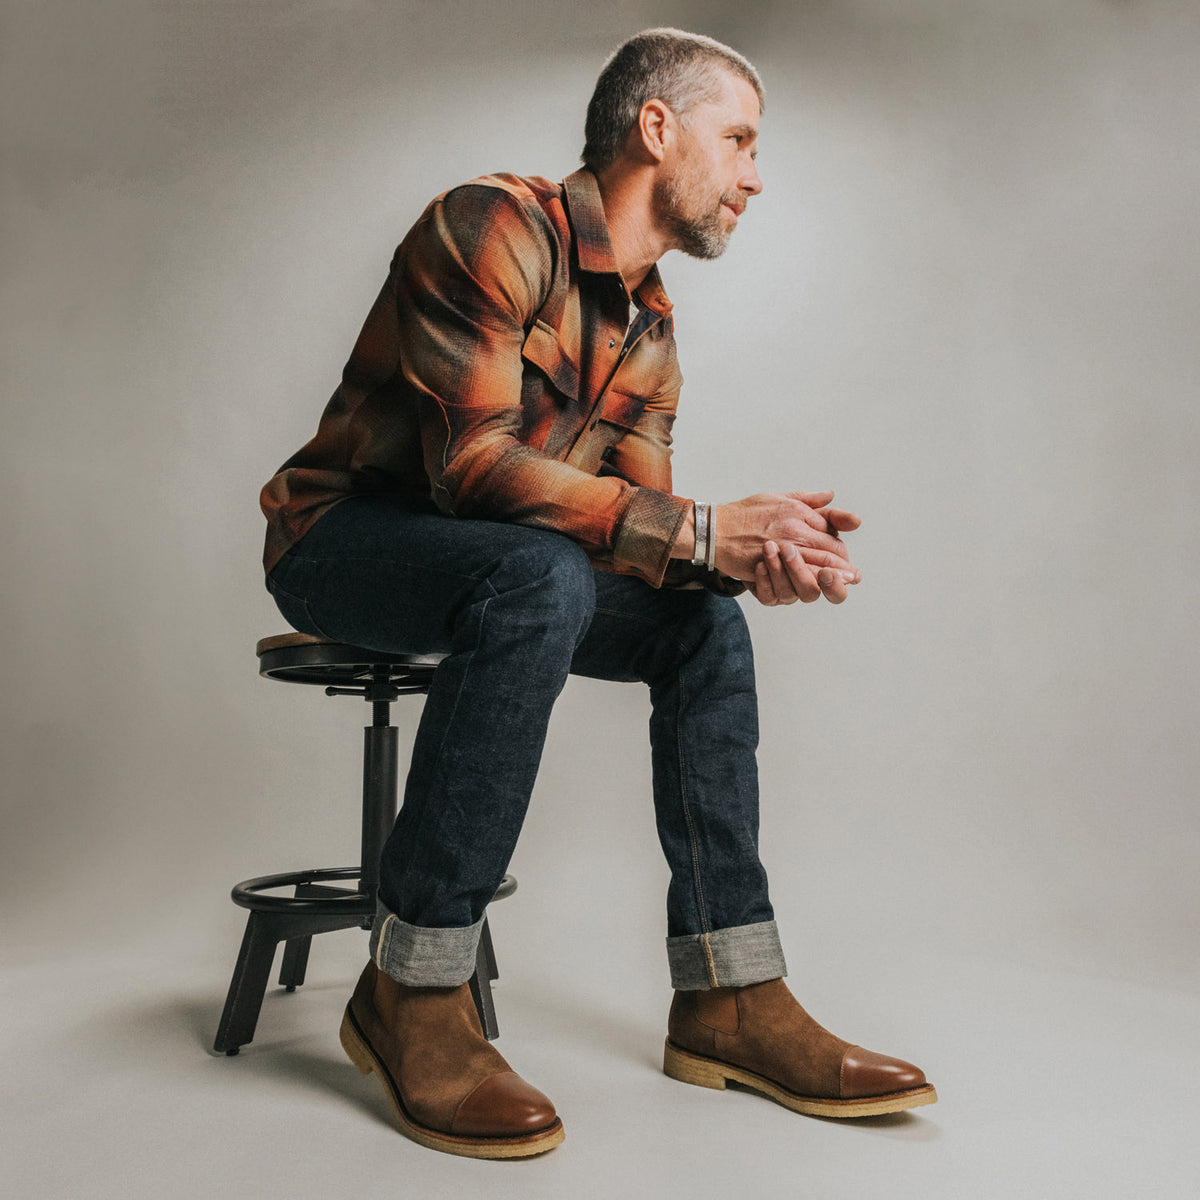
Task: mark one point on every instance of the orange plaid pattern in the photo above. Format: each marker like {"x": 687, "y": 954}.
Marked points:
{"x": 492, "y": 375}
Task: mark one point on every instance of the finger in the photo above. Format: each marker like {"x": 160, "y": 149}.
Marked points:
{"x": 820, "y": 520}
{"x": 812, "y": 499}
{"x": 764, "y": 593}
{"x": 781, "y": 584}
{"x": 802, "y": 580}
{"x": 840, "y": 519}
{"x": 759, "y": 597}
{"x": 816, "y": 559}
{"x": 814, "y": 542}
{"x": 833, "y": 587}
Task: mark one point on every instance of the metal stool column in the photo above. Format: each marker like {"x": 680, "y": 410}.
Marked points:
{"x": 380, "y": 770}
{"x": 380, "y": 774}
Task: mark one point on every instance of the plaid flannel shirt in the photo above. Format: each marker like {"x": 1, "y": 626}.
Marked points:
{"x": 494, "y": 376}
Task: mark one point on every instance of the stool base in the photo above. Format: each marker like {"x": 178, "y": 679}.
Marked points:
{"x": 316, "y": 908}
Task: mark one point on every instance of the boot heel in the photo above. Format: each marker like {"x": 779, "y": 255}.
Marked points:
{"x": 687, "y": 1068}
{"x": 353, "y": 1045}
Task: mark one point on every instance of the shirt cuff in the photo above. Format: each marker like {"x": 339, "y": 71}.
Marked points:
{"x": 647, "y": 532}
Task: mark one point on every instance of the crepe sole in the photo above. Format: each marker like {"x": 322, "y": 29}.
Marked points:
{"x": 711, "y": 1073}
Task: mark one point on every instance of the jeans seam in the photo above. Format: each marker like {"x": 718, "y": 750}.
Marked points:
{"x": 709, "y": 961}
{"x": 300, "y": 601}
{"x": 381, "y": 942}
{"x": 701, "y": 903}
{"x": 691, "y": 828}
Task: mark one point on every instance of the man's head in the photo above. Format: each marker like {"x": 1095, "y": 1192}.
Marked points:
{"x": 681, "y": 69}
{"x": 684, "y": 110}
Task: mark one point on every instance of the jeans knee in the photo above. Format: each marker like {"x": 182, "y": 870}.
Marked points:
{"x": 553, "y": 577}
{"x": 717, "y": 631}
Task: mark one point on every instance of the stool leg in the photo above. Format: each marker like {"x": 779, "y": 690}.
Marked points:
{"x": 264, "y": 931}
{"x": 249, "y": 984}
{"x": 481, "y": 993}
{"x": 295, "y": 962}
{"x": 489, "y": 952}
{"x": 295, "y": 954}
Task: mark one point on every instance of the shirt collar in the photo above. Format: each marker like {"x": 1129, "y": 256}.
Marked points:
{"x": 591, "y": 239}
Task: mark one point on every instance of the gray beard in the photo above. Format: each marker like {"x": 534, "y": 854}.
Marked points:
{"x": 698, "y": 237}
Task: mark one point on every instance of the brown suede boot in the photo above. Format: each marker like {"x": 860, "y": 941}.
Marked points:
{"x": 761, "y": 1037}
{"x": 450, "y": 1088}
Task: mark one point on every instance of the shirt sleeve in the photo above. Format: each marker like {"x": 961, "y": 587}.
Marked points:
{"x": 471, "y": 279}
{"x": 643, "y": 454}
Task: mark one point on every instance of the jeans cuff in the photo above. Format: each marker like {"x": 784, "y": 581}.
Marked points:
{"x": 418, "y": 956}
{"x": 735, "y": 957}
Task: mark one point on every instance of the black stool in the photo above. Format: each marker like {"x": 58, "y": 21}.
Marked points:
{"x": 316, "y": 906}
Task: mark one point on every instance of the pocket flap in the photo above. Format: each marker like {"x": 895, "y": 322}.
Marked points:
{"x": 543, "y": 350}
{"x": 622, "y": 409}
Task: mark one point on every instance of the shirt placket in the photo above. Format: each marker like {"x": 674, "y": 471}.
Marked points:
{"x": 615, "y": 346}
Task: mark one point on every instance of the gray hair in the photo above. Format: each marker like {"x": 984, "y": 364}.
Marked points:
{"x": 680, "y": 69}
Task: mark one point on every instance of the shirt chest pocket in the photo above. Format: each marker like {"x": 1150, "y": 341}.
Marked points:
{"x": 618, "y": 420}
{"x": 548, "y": 375}
{"x": 622, "y": 411}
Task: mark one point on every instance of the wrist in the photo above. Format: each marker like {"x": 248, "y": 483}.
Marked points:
{"x": 684, "y": 545}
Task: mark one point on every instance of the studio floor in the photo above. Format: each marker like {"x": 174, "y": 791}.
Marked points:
{"x": 1051, "y": 1085}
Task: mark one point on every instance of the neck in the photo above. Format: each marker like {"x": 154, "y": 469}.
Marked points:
{"x": 627, "y": 195}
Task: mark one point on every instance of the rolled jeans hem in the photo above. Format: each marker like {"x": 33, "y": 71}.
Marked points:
{"x": 419, "y": 956}
{"x": 733, "y": 957}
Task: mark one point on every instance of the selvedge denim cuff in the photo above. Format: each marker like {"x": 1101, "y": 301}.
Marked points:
{"x": 421, "y": 957}
{"x": 735, "y": 957}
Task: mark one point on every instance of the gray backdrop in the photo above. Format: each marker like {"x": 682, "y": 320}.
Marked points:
{"x": 966, "y": 300}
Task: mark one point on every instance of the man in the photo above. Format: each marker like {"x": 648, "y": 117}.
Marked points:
{"x": 491, "y": 480}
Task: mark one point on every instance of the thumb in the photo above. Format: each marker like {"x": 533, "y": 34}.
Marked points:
{"x": 812, "y": 499}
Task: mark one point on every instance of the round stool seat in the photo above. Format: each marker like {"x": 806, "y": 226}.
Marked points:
{"x": 302, "y": 658}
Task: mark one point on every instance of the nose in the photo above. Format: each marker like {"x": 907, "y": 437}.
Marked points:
{"x": 749, "y": 181}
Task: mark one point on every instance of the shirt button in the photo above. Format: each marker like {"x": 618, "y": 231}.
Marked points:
{"x": 611, "y": 343}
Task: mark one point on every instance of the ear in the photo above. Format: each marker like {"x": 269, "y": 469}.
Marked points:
{"x": 656, "y": 128}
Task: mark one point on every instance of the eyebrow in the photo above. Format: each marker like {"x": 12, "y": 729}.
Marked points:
{"x": 747, "y": 130}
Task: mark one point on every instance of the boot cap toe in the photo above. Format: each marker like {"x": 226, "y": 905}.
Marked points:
{"x": 865, "y": 1073}
{"x": 503, "y": 1105}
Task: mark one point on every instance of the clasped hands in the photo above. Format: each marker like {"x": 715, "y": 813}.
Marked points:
{"x": 785, "y": 546}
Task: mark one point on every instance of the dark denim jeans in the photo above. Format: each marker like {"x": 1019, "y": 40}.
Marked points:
{"x": 516, "y": 609}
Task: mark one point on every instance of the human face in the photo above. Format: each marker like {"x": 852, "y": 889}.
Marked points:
{"x": 711, "y": 176}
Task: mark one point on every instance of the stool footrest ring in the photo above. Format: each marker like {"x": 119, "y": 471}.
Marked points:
{"x": 315, "y": 897}
{"x": 251, "y": 893}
